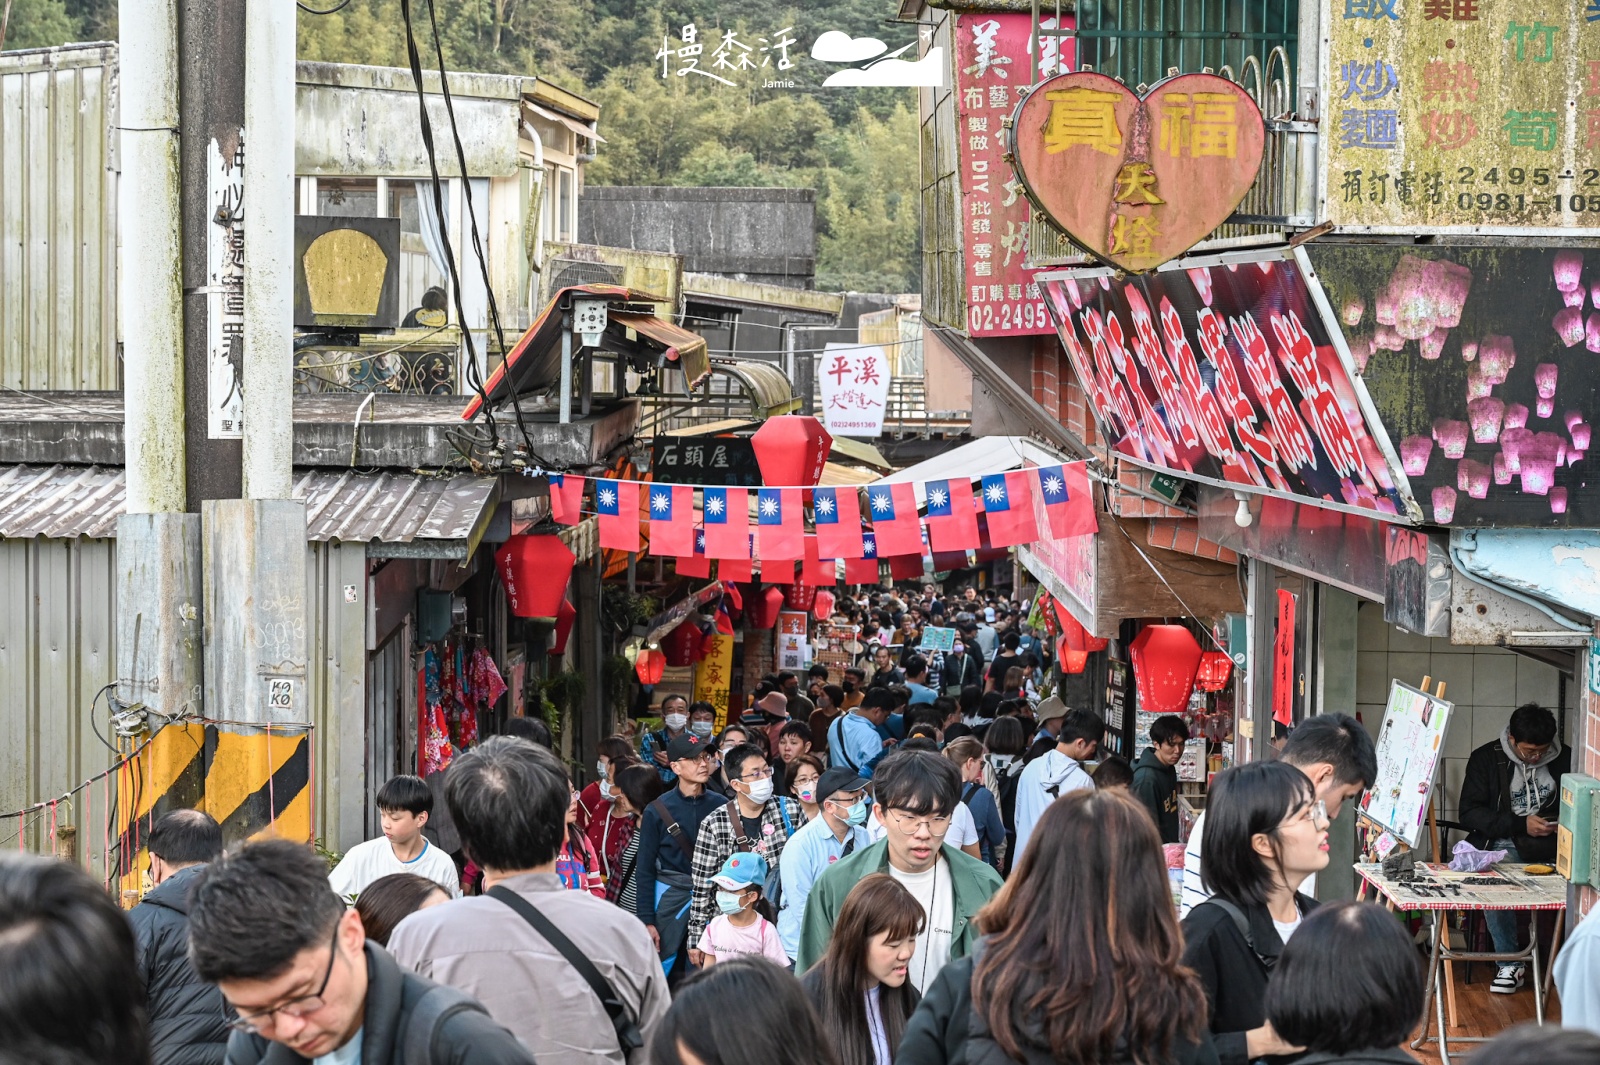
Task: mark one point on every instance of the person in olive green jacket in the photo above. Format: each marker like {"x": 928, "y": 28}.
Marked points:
{"x": 916, "y": 792}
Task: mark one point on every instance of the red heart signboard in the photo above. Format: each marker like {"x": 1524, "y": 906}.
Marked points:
{"x": 1137, "y": 181}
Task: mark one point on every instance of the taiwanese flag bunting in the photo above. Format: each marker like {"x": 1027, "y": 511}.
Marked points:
{"x": 695, "y": 565}
{"x": 905, "y": 567}
{"x": 727, "y": 523}
{"x": 736, "y": 569}
{"x": 566, "y": 498}
{"x": 671, "y": 519}
{"x": 952, "y": 517}
{"x": 894, "y": 519}
{"x": 1008, "y": 501}
{"x": 815, "y": 569}
{"x": 780, "y": 526}
{"x": 863, "y": 570}
{"x": 1067, "y": 501}
{"x": 618, "y": 505}
{"x": 838, "y": 516}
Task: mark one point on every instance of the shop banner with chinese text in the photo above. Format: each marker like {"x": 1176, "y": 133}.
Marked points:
{"x": 1461, "y": 115}
{"x": 1229, "y": 373}
{"x": 993, "y": 63}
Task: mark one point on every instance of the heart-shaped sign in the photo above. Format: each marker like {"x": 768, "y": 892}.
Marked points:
{"x": 1137, "y": 181}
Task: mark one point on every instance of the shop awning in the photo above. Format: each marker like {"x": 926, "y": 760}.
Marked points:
{"x": 989, "y": 454}
{"x": 686, "y": 349}
{"x": 571, "y": 123}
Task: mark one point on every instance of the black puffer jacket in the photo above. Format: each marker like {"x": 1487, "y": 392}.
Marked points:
{"x": 186, "y": 1025}
{"x": 946, "y": 1030}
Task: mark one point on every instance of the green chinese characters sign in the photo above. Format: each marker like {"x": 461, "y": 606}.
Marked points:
{"x": 1469, "y": 116}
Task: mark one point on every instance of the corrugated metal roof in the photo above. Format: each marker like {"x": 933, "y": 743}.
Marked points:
{"x": 67, "y": 501}
{"x": 60, "y": 501}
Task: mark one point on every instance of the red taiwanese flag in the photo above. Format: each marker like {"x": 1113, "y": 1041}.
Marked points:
{"x": 815, "y": 569}
{"x": 1008, "y": 501}
{"x": 696, "y": 564}
{"x": 727, "y": 522}
{"x": 1067, "y": 500}
{"x": 735, "y": 569}
{"x": 780, "y": 525}
{"x": 894, "y": 519}
{"x": 618, "y": 505}
{"x": 863, "y": 570}
{"x": 671, "y": 519}
{"x": 952, "y": 515}
{"x": 779, "y": 570}
{"x": 838, "y": 517}
{"x": 905, "y": 567}
{"x": 566, "y": 498}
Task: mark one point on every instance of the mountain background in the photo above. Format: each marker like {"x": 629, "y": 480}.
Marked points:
{"x": 856, "y": 146}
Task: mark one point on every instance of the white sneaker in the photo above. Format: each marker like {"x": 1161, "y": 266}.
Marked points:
{"x": 1508, "y": 980}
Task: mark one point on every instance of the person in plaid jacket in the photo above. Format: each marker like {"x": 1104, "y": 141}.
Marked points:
{"x": 764, "y": 824}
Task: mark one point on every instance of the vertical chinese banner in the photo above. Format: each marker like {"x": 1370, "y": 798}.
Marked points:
{"x": 855, "y": 389}
{"x": 225, "y": 294}
{"x": 712, "y": 674}
{"x": 994, "y": 62}
{"x": 791, "y": 637}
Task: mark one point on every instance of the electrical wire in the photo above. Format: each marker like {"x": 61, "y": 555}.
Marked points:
{"x": 329, "y": 11}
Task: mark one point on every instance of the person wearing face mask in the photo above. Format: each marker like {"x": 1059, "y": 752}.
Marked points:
{"x": 613, "y": 752}
{"x": 653, "y": 748}
{"x": 838, "y": 831}
{"x": 743, "y": 924}
{"x": 830, "y": 704}
{"x": 854, "y": 687}
{"x": 800, "y": 781}
{"x": 702, "y": 720}
{"x": 754, "y": 820}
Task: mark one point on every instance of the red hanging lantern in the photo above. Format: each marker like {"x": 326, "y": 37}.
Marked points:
{"x": 534, "y": 571}
{"x": 649, "y": 666}
{"x": 761, "y": 610}
{"x": 566, "y": 614}
{"x": 799, "y": 597}
{"x": 1071, "y": 661}
{"x": 1074, "y": 633}
{"x": 1215, "y": 669}
{"x": 1165, "y": 658}
{"x": 791, "y": 450}
{"x": 682, "y": 645}
{"x": 824, "y": 607}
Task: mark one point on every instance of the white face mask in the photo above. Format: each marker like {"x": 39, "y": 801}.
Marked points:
{"x": 675, "y": 722}
{"x": 760, "y": 790}
{"x": 600, "y": 767}
{"x": 702, "y": 728}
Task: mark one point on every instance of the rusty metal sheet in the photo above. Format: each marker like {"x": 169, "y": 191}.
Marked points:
{"x": 1460, "y": 116}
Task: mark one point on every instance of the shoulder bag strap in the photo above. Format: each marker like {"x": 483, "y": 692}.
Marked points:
{"x": 436, "y": 1006}
{"x": 844, "y": 751}
{"x": 1242, "y": 922}
{"x": 628, "y": 1037}
{"x": 970, "y": 790}
{"x": 736, "y": 825}
{"x": 673, "y": 829}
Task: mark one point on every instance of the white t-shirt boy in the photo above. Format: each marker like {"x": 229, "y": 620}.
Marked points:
{"x": 375, "y": 859}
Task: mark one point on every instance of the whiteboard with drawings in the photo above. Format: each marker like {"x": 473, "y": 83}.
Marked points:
{"x": 1409, "y": 746}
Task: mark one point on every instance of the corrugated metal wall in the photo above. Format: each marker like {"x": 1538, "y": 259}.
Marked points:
{"x": 57, "y": 650}
{"x": 58, "y": 199}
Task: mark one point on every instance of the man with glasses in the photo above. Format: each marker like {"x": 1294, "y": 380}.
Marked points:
{"x": 296, "y": 969}
{"x": 664, "y": 867}
{"x": 836, "y": 834}
{"x": 916, "y": 793}
{"x": 754, "y": 820}
{"x": 1155, "y": 776}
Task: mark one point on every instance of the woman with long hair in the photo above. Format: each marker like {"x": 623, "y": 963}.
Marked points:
{"x": 614, "y": 753}
{"x": 773, "y": 1023}
{"x": 1006, "y": 741}
{"x": 638, "y": 790}
{"x": 1266, "y": 831}
{"x": 1081, "y": 957}
{"x": 861, "y": 986}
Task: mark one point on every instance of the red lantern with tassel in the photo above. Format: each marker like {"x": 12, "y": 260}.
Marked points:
{"x": 566, "y": 614}
{"x": 823, "y": 610}
{"x": 682, "y": 645}
{"x": 761, "y": 608}
{"x": 791, "y": 450}
{"x": 535, "y": 571}
{"x": 1215, "y": 669}
{"x": 799, "y": 597}
{"x": 649, "y": 666}
{"x": 1165, "y": 658}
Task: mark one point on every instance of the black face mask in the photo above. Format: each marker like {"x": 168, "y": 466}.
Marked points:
{"x": 849, "y": 686}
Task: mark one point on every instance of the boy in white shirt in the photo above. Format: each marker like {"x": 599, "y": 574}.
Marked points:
{"x": 404, "y": 803}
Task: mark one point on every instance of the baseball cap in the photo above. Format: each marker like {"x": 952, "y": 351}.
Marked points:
{"x": 838, "y": 779}
{"x": 988, "y": 613}
{"x": 741, "y": 870}
{"x": 687, "y": 745}
{"x": 1050, "y": 709}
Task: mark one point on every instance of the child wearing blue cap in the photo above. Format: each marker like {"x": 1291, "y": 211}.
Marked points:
{"x": 744, "y": 925}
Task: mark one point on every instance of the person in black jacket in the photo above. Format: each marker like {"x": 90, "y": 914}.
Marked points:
{"x": 1510, "y": 799}
{"x": 1080, "y": 959}
{"x": 1155, "y": 778}
{"x": 301, "y": 979}
{"x": 186, "y": 1025}
{"x": 1266, "y": 832}
{"x": 1348, "y": 987}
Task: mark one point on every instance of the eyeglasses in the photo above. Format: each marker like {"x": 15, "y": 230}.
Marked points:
{"x": 907, "y": 823}
{"x": 1316, "y": 812}
{"x": 760, "y": 774}
{"x": 251, "y": 1023}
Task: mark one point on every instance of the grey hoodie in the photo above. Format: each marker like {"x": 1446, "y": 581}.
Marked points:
{"x": 1531, "y": 785}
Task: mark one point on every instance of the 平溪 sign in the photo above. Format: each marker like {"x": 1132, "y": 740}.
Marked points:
{"x": 855, "y": 388}
{"x": 1478, "y": 116}
{"x": 1137, "y": 181}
